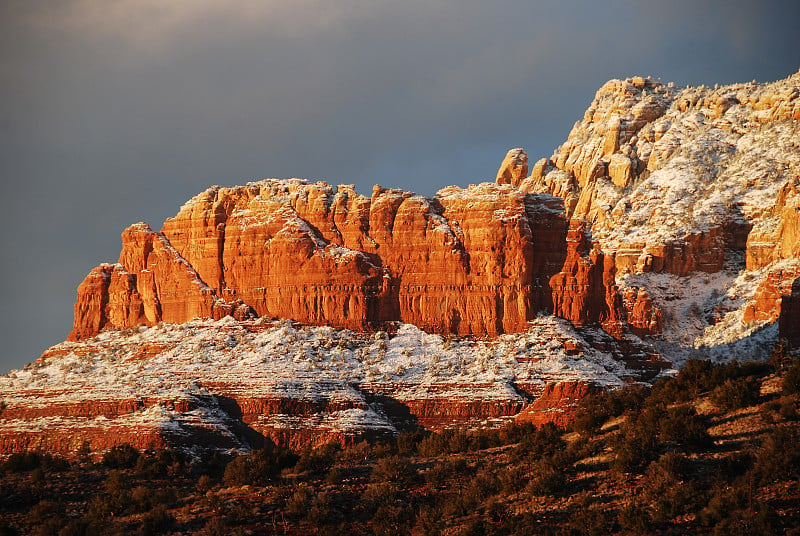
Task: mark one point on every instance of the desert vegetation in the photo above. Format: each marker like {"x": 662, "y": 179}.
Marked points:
{"x": 713, "y": 450}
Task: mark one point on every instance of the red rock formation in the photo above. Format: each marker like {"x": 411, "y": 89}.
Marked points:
{"x": 557, "y": 404}
{"x": 769, "y": 243}
{"x": 767, "y": 300}
{"x": 150, "y": 283}
{"x": 698, "y": 251}
{"x": 585, "y": 290}
{"x": 643, "y": 317}
{"x": 477, "y": 261}
{"x": 514, "y": 168}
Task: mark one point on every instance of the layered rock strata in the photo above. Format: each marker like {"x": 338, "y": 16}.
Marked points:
{"x": 668, "y": 212}
{"x": 482, "y": 260}
{"x": 672, "y": 178}
{"x": 229, "y": 385}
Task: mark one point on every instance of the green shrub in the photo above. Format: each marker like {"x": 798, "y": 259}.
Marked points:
{"x": 513, "y": 433}
{"x": 779, "y": 456}
{"x": 318, "y": 460}
{"x": 698, "y": 377}
{"x": 159, "y": 464}
{"x": 636, "y": 519}
{"x": 322, "y": 510}
{"x": 512, "y": 479}
{"x": 791, "y": 378}
{"x": 450, "y": 441}
{"x": 300, "y": 500}
{"x": 736, "y": 393}
{"x": 595, "y": 410}
{"x": 204, "y": 483}
{"x": 788, "y": 410}
{"x": 668, "y": 488}
{"x": 734, "y": 465}
{"x": 407, "y": 441}
{"x": 397, "y": 469}
{"x": 681, "y": 425}
{"x": 548, "y": 477}
{"x": 443, "y": 470}
{"x": 334, "y": 476}
{"x": 380, "y": 494}
{"x": 121, "y": 457}
{"x": 20, "y": 462}
{"x": 591, "y": 521}
{"x": 391, "y": 519}
{"x": 637, "y": 443}
{"x": 156, "y": 521}
{"x": 545, "y": 441}
{"x": 427, "y": 523}
{"x": 258, "y": 467}
{"x": 215, "y": 526}
{"x": 144, "y": 498}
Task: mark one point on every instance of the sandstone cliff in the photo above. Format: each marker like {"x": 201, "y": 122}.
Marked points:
{"x": 669, "y": 214}
{"x": 672, "y": 178}
{"x": 674, "y": 182}
{"x": 482, "y": 260}
{"x": 228, "y": 384}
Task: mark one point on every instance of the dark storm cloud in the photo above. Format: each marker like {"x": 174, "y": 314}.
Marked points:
{"x": 115, "y": 112}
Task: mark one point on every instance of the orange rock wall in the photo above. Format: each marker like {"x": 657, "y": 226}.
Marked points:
{"x": 585, "y": 290}
{"x": 767, "y": 300}
{"x": 557, "y": 404}
{"x": 482, "y": 260}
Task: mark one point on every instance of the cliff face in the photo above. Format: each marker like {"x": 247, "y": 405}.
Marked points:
{"x": 672, "y": 178}
{"x": 482, "y": 260}
{"x": 654, "y": 179}
{"x": 228, "y": 384}
{"x": 686, "y": 181}
{"x": 669, "y": 213}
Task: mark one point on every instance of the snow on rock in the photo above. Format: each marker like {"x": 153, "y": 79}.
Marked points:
{"x": 685, "y": 187}
{"x": 669, "y": 213}
{"x": 221, "y": 383}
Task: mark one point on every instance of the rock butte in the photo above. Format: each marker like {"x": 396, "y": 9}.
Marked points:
{"x": 669, "y": 213}
{"x": 481, "y": 261}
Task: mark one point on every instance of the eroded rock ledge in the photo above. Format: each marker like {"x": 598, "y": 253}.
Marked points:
{"x": 482, "y": 260}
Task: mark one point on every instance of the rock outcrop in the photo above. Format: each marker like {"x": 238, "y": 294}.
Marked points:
{"x": 480, "y": 261}
{"x": 585, "y": 290}
{"x": 227, "y": 384}
{"x": 557, "y": 403}
{"x": 643, "y": 317}
{"x": 670, "y": 214}
{"x": 673, "y": 178}
{"x": 514, "y": 167}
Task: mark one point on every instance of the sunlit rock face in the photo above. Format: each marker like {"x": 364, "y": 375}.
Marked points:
{"x": 230, "y": 384}
{"x": 686, "y": 181}
{"x": 671, "y": 178}
{"x": 666, "y": 227}
{"x": 482, "y": 260}
{"x": 658, "y": 178}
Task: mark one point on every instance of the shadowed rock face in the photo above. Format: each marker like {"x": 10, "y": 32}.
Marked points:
{"x": 789, "y": 321}
{"x": 482, "y": 260}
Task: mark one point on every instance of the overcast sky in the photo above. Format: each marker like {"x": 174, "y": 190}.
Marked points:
{"x": 118, "y": 111}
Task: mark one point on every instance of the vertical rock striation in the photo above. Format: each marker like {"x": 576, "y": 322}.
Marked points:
{"x": 482, "y": 260}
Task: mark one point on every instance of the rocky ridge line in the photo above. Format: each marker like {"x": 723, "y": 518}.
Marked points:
{"x": 482, "y": 261}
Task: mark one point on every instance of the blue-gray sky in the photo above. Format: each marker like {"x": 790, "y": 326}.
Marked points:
{"x": 117, "y": 112}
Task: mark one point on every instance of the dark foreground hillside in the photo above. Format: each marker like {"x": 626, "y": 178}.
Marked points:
{"x": 715, "y": 450}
